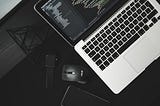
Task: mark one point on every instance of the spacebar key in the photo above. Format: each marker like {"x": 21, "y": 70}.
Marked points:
{"x": 128, "y": 43}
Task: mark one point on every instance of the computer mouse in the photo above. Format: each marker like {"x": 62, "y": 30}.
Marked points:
{"x": 74, "y": 73}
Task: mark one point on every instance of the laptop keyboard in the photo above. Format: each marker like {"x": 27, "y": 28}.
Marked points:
{"x": 137, "y": 18}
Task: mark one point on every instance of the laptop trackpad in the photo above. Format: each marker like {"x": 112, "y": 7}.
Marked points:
{"x": 140, "y": 56}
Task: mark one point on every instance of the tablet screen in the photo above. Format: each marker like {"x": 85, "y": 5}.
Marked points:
{"x": 74, "y": 17}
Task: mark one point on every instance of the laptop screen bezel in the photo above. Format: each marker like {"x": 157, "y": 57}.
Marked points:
{"x": 101, "y": 20}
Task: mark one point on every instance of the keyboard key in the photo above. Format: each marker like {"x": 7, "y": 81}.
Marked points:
{"x": 120, "y": 20}
{"x": 148, "y": 4}
{"x": 125, "y": 16}
{"x": 84, "y": 47}
{"x": 93, "y": 39}
{"x": 101, "y": 31}
{"x": 104, "y": 35}
{"x": 108, "y": 31}
{"x": 87, "y": 50}
{"x": 96, "y": 57}
{"x": 110, "y": 23}
{"x": 114, "y": 40}
{"x": 122, "y": 33}
{"x": 131, "y": 26}
{"x": 135, "y": 22}
{"x": 95, "y": 42}
{"x": 91, "y": 54}
{"x": 146, "y": 27}
{"x": 101, "y": 45}
{"x": 91, "y": 46}
{"x": 135, "y": 15}
{"x": 129, "y": 12}
{"x": 124, "y": 39}
{"x": 126, "y": 22}
{"x": 142, "y": 1}
{"x": 110, "y": 44}
{"x": 106, "y": 27}
{"x": 110, "y": 59}
{"x": 119, "y": 37}
{"x": 119, "y": 15}
{"x": 102, "y": 52}
{"x": 114, "y": 34}
{"x": 107, "y": 54}
{"x": 89, "y": 43}
{"x": 151, "y": 25}
{"x": 139, "y": 18}
{"x": 130, "y": 19}
{"x": 105, "y": 41}
{"x": 116, "y": 24}
{"x": 120, "y": 43}
{"x": 99, "y": 62}
{"x": 122, "y": 26}
{"x": 143, "y": 7}
{"x": 106, "y": 63}
{"x": 133, "y": 31}
{"x": 102, "y": 67}
{"x": 115, "y": 19}
{"x": 152, "y": 14}
{"x": 148, "y": 10}
{"x": 133, "y": 9}
{"x": 137, "y": 28}
{"x": 139, "y": 11}
{"x": 112, "y": 27}
{"x": 154, "y": 20}
{"x": 97, "y": 35}
{"x": 144, "y": 14}
{"x": 97, "y": 49}
{"x": 103, "y": 58}
{"x": 128, "y": 35}
{"x": 128, "y": 43}
{"x": 109, "y": 37}
{"x": 123, "y": 11}
{"x": 116, "y": 47}
{"x": 141, "y": 32}
{"x": 111, "y": 50}
{"x": 127, "y": 29}
{"x": 115, "y": 55}
{"x": 145, "y": 20}
{"x": 132, "y": 4}
{"x": 141, "y": 24}
{"x": 100, "y": 39}
{"x": 106, "y": 48}
{"x": 138, "y": 5}
{"x": 118, "y": 30}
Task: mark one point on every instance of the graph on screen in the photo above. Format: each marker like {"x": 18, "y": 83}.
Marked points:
{"x": 99, "y": 4}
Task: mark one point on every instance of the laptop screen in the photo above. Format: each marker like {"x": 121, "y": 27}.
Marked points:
{"x": 74, "y": 17}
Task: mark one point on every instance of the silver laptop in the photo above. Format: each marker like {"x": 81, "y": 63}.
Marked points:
{"x": 121, "y": 48}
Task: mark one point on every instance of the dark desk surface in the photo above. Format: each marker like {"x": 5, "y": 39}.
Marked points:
{"x": 22, "y": 86}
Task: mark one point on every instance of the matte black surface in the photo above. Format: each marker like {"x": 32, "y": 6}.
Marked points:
{"x": 23, "y": 85}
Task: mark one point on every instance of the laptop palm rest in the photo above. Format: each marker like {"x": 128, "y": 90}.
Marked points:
{"x": 142, "y": 55}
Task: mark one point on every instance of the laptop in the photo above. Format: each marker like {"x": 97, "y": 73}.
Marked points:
{"x": 10, "y": 52}
{"x": 120, "y": 48}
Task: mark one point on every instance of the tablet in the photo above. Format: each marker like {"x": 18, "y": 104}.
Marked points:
{"x": 72, "y": 19}
{"x": 77, "y": 97}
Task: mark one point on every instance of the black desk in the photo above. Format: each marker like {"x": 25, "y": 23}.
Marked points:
{"x": 23, "y": 85}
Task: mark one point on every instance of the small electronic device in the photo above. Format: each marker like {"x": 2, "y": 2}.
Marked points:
{"x": 50, "y": 64}
{"x": 77, "y": 97}
{"x": 74, "y": 73}
{"x": 121, "y": 47}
